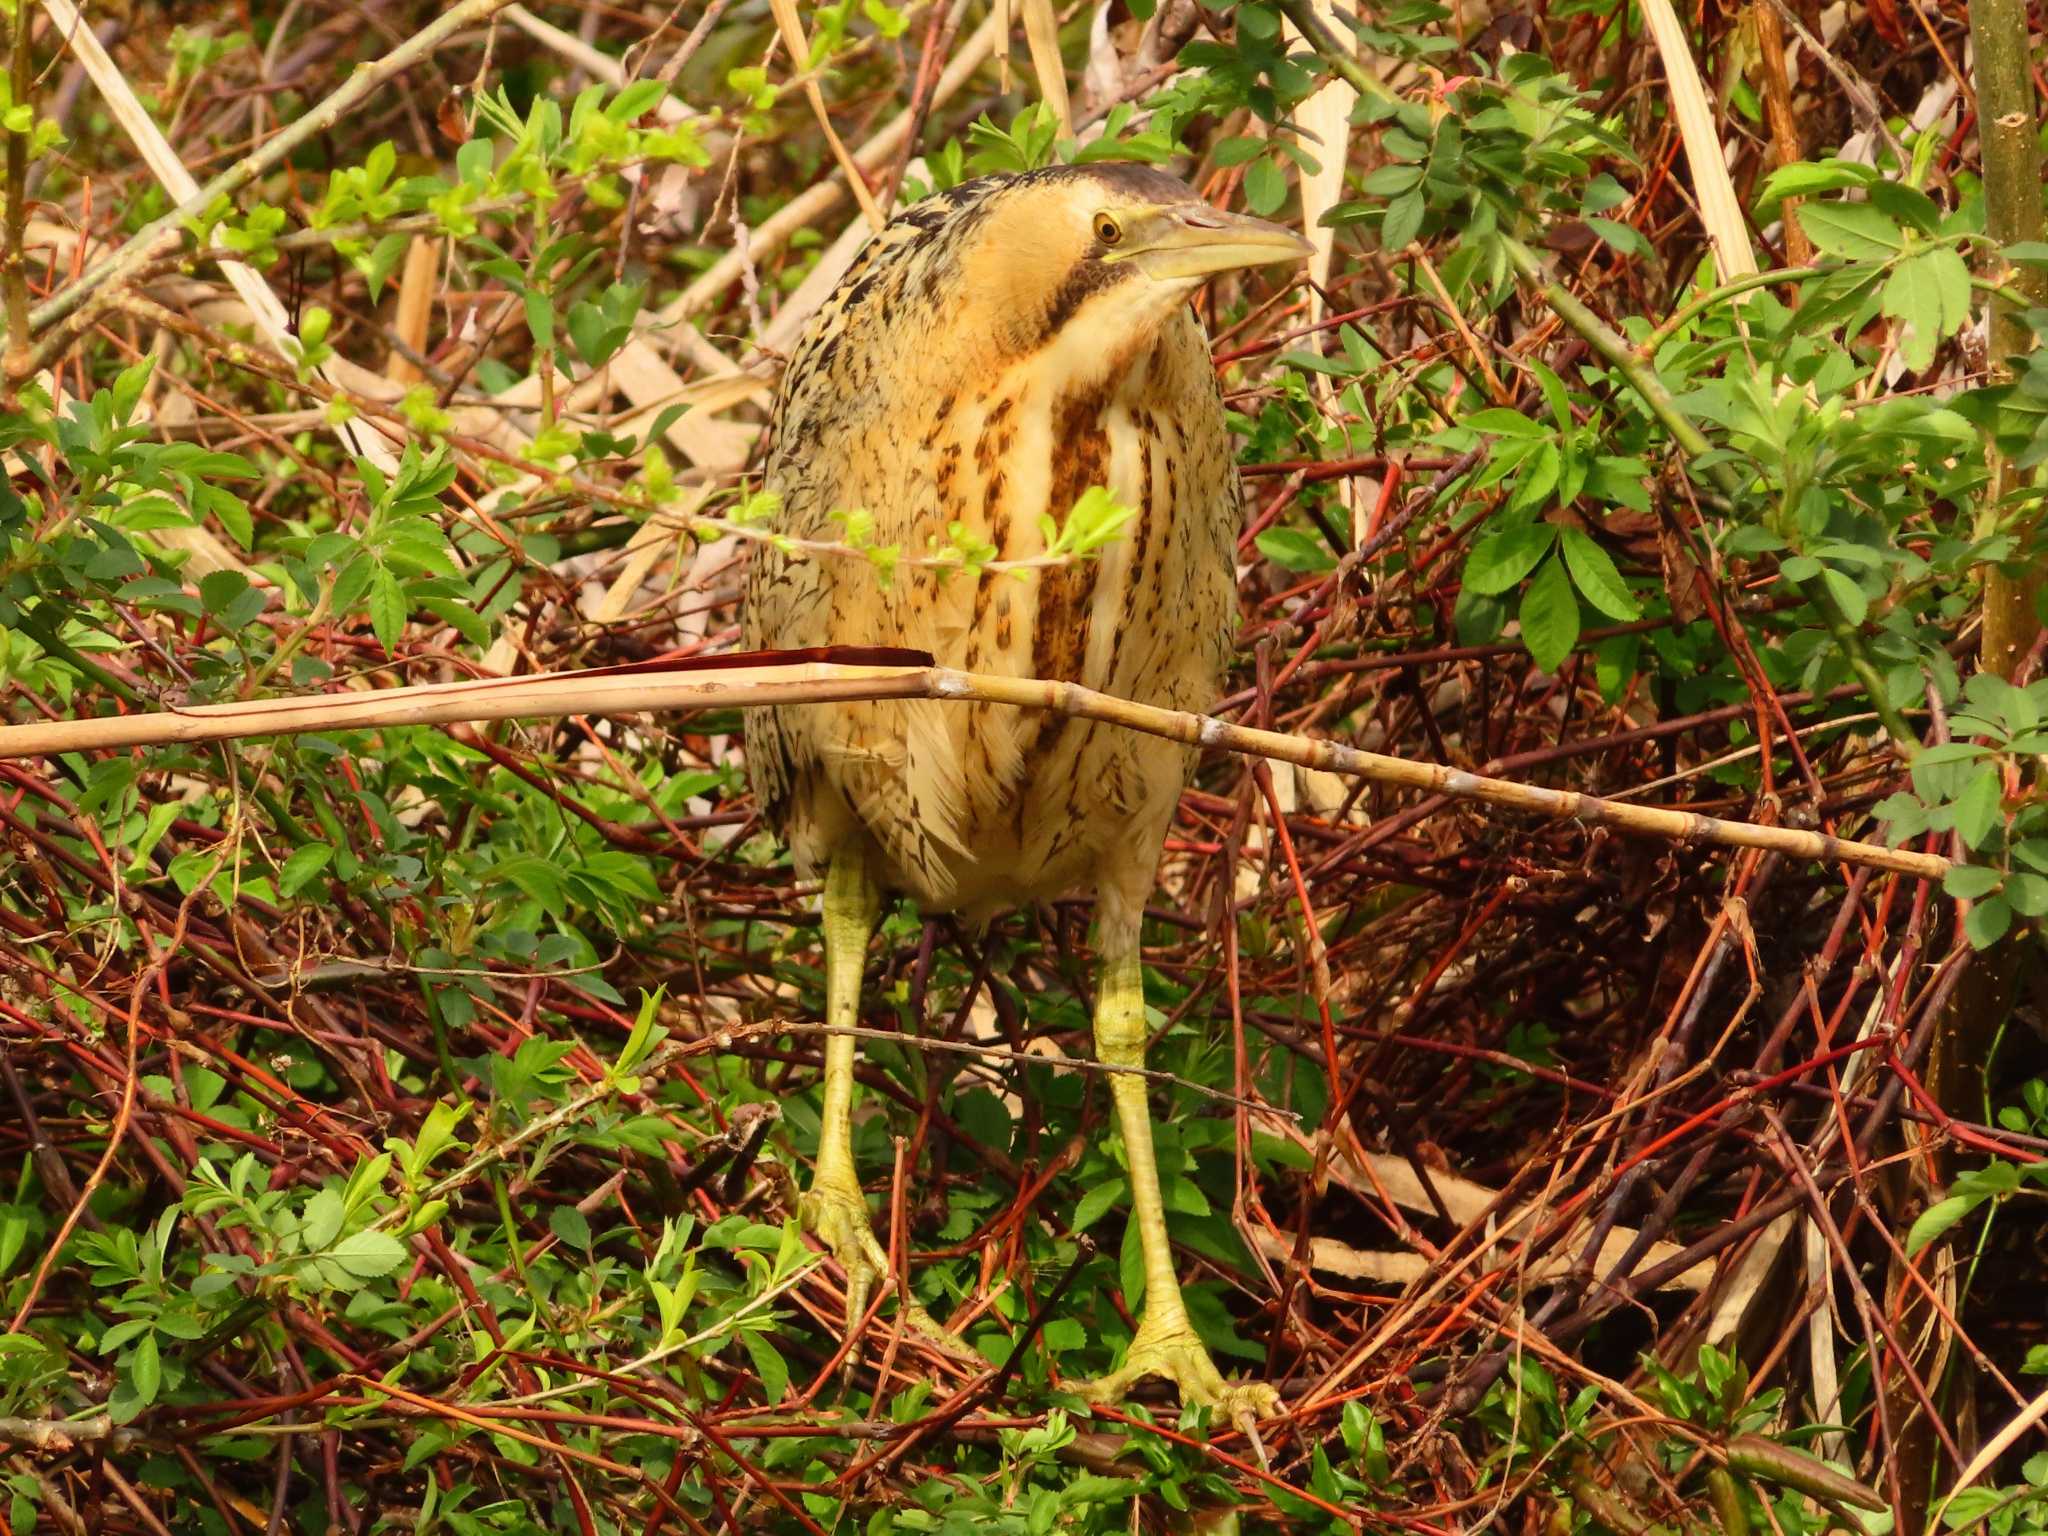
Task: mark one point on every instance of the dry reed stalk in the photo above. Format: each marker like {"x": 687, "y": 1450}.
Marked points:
{"x": 640, "y": 690}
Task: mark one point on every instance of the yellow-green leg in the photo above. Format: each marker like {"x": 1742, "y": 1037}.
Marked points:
{"x": 834, "y": 1208}
{"x": 1166, "y": 1343}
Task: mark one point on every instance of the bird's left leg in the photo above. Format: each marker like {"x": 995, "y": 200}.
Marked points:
{"x": 834, "y": 1207}
{"x": 1166, "y": 1343}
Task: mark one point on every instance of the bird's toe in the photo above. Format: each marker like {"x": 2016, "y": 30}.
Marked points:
{"x": 837, "y": 1215}
{"x": 1175, "y": 1354}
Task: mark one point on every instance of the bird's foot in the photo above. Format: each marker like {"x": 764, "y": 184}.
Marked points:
{"x": 1169, "y": 1348}
{"x": 836, "y": 1213}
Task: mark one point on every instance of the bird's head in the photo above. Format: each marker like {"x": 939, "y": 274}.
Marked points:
{"x": 1103, "y": 255}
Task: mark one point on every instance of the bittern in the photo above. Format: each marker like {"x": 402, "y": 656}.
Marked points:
{"x": 994, "y": 352}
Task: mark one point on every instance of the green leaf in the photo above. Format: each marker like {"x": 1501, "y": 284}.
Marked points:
{"x": 1403, "y": 221}
{"x": 1803, "y": 179}
{"x": 2027, "y": 894}
{"x": 128, "y": 388}
{"x": 1265, "y": 187}
{"x": 1625, "y": 238}
{"x": 1970, "y": 881}
{"x": 1293, "y": 550}
{"x": 1505, "y": 421}
{"x": 1935, "y": 1220}
{"x": 145, "y": 1369}
{"x": 1098, "y": 1200}
{"x": 367, "y": 1255}
{"x": 1501, "y": 560}
{"x": 1987, "y": 922}
{"x": 571, "y": 1226}
{"x": 540, "y": 318}
{"x": 768, "y": 1365}
{"x": 1594, "y": 574}
{"x": 1929, "y": 295}
{"x": 322, "y": 1219}
{"x": 1852, "y": 231}
{"x": 1980, "y": 808}
{"x": 232, "y": 513}
{"x": 1847, "y": 594}
{"x": 1550, "y": 616}
{"x": 302, "y": 866}
{"x": 387, "y": 609}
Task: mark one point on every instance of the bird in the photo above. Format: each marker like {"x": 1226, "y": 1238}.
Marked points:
{"x": 994, "y": 352}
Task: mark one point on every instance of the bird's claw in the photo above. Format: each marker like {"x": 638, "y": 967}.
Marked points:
{"x": 836, "y": 1213}
{"x": 1173, "y": 1352}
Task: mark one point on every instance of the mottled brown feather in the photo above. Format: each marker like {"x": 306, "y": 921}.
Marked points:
{"x": 972, "y": 368}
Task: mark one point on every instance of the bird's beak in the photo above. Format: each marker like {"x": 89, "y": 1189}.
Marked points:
{"x": 1186, "y": 243}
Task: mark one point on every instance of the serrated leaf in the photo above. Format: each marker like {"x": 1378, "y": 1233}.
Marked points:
{"x": 1403, "y": 221}
{"x": 145, "y": 1369}
{"x": 1625, "y": 238}
{"x": 1598, "y": 581}
{"x": 1501, "y": 560}
{"x": 367, "y": 1255}
{"x": 232, "y": 513}
{"x": 1804, "y": 178}
{"x": 387, "y": 609}
{"x": 1980, "y": 808}
{"x": 1852, "y": 231}
{"x": 1096, "y": 1202}
{"x": 1929, "y": 295}
{"x": 1970, "y": 881}
{"x": 322, "y": 1219}
{"x": 1550, "y": 616}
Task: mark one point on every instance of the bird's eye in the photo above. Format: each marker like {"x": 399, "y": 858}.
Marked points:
{"x": 1107, "y": 230}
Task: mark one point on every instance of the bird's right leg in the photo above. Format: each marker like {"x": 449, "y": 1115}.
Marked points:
{"x": 834, "y": 1208}
{"x": 1166, "y": 1343}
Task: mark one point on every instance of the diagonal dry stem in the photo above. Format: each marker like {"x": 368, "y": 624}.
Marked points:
{"x": 629, "y": 690}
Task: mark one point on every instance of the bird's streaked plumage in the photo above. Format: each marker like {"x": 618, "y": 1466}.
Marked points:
{"x": 993, "y": 353}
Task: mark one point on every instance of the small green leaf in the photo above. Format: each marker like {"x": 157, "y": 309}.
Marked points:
{"x": 145, "y": 1369}
{"x": 387, "y": 609}
{"x": 302, "y": 866}
{"x": 571, "y": 1226}
{"x": 1980, "y": 808}
{"x": 1403, "y": 221}
{"x": 367, "y": 1255}
{"x": 1970, "y": 881}
{"x": 1987, "y": 922}
{"x": 1594, "y": 574}
{"x": 768, "y": 1365}
{"x": 1550, "y": 616}
{"x": 1935, "y": 1220}
{"x": 1847, "y": 594}
{"x": 1293, "y": 550}
{"x": 1852, "y": 231}
{"x": 1505, "y": 421}
{"x": 2027, "y": 894}
{"x": 1499, "y": 561}
{"x": 1097, "y": 1201}
{"x": 1265, "y": 187}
